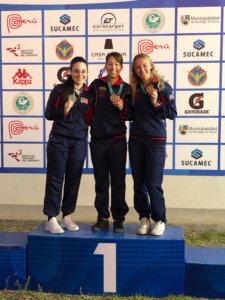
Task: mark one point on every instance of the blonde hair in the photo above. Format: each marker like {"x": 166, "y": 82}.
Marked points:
{"x": 135, "y": 80}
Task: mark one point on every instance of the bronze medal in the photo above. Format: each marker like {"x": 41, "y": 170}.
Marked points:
{"x": 149, "y": 89}
{"x": 113, "y": 97}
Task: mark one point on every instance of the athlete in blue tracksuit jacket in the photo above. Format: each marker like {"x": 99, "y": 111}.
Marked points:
{"x": 66, "y": 148}
{"x": 153, "y": 102}
{"x": 111, "y": 104}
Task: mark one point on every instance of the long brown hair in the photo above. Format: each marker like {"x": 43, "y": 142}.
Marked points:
{"x": 154, "y": 75}
{"x": 68, "y": 86}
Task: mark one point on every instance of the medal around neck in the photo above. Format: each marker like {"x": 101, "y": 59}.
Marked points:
{"x": 72, "y": 98}
{"x": 113, "y": 97}
{"x": 149, "y": 88}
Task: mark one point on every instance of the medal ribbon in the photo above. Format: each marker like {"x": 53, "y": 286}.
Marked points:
{"x": 77, "y": 96}
{"x": 111, "y": 89}
{"x": 143, "y": 89}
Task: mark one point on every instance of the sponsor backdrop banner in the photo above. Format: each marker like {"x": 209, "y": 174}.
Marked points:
{"x": 184, "y": 38}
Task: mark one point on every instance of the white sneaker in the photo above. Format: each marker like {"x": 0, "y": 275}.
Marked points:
{"x": 144, "y": 227}
{"x": 53, "y": 226}
{"x": 68, "y": 224}
{"x": 158, "y": 228}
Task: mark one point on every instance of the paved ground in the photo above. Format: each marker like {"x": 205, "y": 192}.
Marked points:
{"x": 198, "y": 219}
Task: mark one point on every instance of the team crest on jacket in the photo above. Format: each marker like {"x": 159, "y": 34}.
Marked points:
{"x": 102, "y": 89}
{"x": 197, "y": 76}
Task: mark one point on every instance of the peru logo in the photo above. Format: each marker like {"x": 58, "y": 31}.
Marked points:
{"x": 147, "y": 46}
{"x": 17, "y": 127}
{"x": 197, "y": 76}
{"x": 15, "y": 21}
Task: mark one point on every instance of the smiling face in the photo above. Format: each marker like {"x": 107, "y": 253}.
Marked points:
{"x": 142, "y": 68}
{"x": 79, "y": 73}
{"x": 113, "y": 68}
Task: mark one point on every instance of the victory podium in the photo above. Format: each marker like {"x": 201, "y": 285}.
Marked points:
{"x": 13, "y": 259}
{"x": 205, "y": 272}
{"x": 85, "y": 262}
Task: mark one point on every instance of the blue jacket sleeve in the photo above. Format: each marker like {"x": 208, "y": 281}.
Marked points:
{"x": 54, "y": 109}
{"x": 168, "y": 109}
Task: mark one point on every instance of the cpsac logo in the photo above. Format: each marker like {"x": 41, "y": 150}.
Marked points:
{"x": 64, "y": 50}
{"x": 197, "y": 76}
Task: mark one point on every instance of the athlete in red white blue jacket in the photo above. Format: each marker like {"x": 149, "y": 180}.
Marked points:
{"x": 111, "y": 106}
{"x": 67, "y": 107}
{"x": 153, "y": 102}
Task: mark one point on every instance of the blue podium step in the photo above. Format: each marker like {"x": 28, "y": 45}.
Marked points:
{"x": 104, "y": 262}
{"x": 205, "y": 272}
{"x": 12, "y": 259}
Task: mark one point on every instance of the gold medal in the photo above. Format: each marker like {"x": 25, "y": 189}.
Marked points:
{"x": 113, "y": 97}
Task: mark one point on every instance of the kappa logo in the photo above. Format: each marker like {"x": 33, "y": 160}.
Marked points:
{"x": 22, "y": 77}
{"x": 197, "y": 76}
